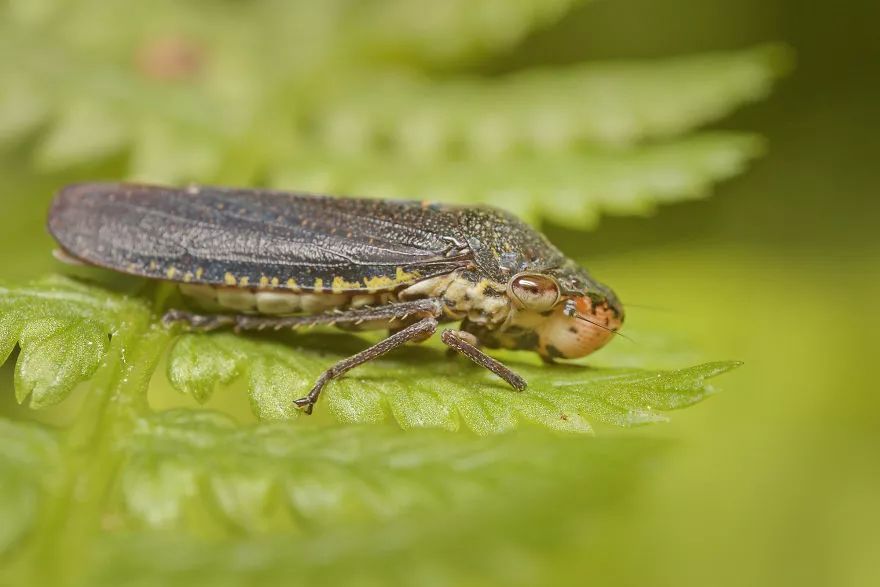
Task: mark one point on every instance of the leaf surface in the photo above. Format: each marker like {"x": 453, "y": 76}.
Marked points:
{"x": 63, "y": 330}
{"x": 420, "y": 388}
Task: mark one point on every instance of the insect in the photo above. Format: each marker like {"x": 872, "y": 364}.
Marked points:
{"x": 269, "y": 259}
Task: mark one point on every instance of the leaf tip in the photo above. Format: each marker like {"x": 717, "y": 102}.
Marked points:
{"x": 780, "y": 58}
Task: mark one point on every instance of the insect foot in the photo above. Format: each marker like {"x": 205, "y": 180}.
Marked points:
{"x": 307, "y": 402}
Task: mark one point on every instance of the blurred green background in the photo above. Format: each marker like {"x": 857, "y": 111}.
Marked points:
{"x": 776, "y": 480}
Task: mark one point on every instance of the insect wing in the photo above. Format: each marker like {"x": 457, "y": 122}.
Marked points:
{"x": 251, "y": 238}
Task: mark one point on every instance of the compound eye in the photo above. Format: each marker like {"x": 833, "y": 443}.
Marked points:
{"x": 538, "y": 293}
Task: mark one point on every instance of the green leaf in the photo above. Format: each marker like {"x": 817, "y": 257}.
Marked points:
{"x": 30, "y": 467}
{"x": 259, "y": 487}
{"x": 554, "y": 110}
{"x": 189, "y": 94}
{"x": 572, "y": 188}
{"x": 274, "y": 476}
{"x": 421, "y": 389}
{"x": 82, "y": 133}
{"x": 63, "y": 330}
{"x": 22, "y": 109}
{"x": 440, "y": 33}
{"x": 199, "y": 473}
{"x": 441, "y": 502}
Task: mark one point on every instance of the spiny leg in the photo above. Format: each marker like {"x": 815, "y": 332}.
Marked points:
{"x": 427, "y": 310}
{"x": 424, "y": 327}
{"x": 390, "y": 311}
{"x": 200, "y": 322}
{"x": 465, "y": 343}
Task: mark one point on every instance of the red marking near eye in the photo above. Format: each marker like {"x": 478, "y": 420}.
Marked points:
{"x": 583, "y": 305}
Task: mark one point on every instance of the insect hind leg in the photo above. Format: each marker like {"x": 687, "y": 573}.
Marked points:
{"x": 199, "y": 322}
{"x": 425, "y": 311}
{"x": 395, "y": 311}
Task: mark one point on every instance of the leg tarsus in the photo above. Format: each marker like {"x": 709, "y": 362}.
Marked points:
{"x": 461, "y": 342}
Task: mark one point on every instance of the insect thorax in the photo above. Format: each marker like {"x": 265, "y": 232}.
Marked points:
{"x": 465, "y": 295}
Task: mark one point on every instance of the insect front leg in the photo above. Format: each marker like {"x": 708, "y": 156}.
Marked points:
{"x": 466, "y": 344}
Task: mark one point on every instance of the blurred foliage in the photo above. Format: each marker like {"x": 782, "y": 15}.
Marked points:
{"x": 774, "y": 484}
{"x": 376, "y": 98}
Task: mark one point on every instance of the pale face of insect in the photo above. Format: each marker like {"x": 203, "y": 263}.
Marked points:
{"x": 554, "y": 324}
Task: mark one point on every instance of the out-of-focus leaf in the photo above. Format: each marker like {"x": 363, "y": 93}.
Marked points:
{"x": 554, "y": 110}
{"x": 440, "y": 32}
{"x": 274, "y": 476}
{"x": 30, "y": 466}
{"x": 82, "y": 133}
{"x": 558, "y": 485}
{"x": 22, "y": 108}
{"x": 572, "y": 188}
{"x": 187, "y": 91}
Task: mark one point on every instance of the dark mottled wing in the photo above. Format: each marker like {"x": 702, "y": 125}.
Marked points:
{"x": 253, "y": 238}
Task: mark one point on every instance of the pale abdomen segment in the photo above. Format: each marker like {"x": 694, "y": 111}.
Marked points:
{"x": 277, "y": 302}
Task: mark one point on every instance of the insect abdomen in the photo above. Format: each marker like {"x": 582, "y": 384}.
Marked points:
{"x": 277, "y": 302}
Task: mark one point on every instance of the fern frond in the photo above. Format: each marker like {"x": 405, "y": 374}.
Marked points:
{"x": 439, "y": 393}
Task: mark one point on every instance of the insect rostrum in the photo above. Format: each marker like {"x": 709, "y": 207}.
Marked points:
{"x": 260, "y": 259}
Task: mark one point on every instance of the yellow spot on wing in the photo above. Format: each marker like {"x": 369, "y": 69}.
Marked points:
{"x": 199, "y": 272}
{"x": 384, "y": 282}
{"x": 378, "y": 282}
{"x": 264, "y": 281}
{"x": 244, "y": 281}
{"x": 403, "y": 276}
{"x": 171, "y": 272}
{"x": 229, "y": 278}
{"x": 319, "y": 284}
{"x": 188, "y": 276}
{"x": 291, "y": 283}
{"x": 275, "y": 282}
{"x": 341, "y": 285}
